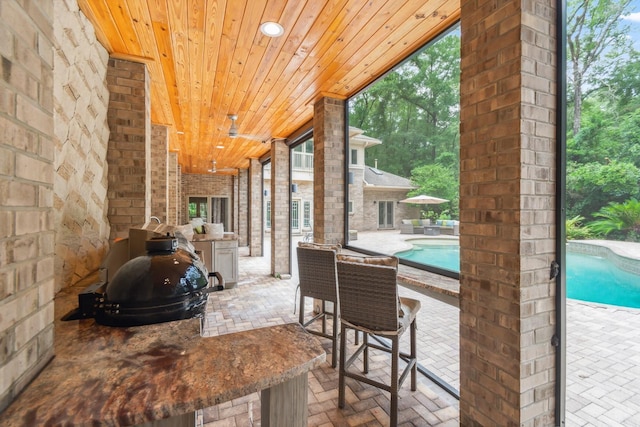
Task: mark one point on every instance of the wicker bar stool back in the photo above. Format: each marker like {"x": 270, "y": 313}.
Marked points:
{"x": 369, "y": 302}
{"x": 319, "y": 280}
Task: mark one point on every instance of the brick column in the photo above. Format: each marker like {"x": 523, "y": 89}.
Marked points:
{"x": 507, "y": 189}
{"x": 328, "y": 168}
{"x": 27, "y": 176}
{"x": 280, "y": 209}
{"x": 255, "y": 213}
{"x": 159, "y": 172}
{"x": 243, "y": 207}
{"x": 173, "y": 184}
{"x": 128, "y": 155}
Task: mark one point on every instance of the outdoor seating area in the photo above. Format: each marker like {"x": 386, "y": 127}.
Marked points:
{"x": 424, "y": 226}
{"x": 414, "y": 226}
{"x": 448, "y": 226}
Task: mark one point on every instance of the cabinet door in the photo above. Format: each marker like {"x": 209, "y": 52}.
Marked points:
{"x": 226, "y": 263}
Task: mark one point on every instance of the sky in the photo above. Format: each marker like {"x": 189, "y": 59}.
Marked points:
{"x": 633, "y": 20}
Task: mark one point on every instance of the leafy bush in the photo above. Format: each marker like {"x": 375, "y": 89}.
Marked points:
{"x": 621, "y": 220}
{"x": 576, "y": 231}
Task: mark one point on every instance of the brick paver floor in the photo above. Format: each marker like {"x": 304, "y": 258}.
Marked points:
{"x": 603, "y": 358}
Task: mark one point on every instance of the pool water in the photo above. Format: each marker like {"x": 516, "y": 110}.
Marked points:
{"x": 589, "y": 278}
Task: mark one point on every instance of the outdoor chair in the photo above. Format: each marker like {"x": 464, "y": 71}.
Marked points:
{"x": 369, "y": 302}
{"x": 319, "y": 280}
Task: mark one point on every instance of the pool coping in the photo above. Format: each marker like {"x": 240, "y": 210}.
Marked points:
{"x": 624, "y": 255}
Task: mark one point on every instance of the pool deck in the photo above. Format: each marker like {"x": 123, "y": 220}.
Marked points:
{"x": 625, "y": 249}
{"x": 603, "y": 345}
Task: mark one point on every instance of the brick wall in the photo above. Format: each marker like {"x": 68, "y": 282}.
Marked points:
{"x": 173, "y": 184}
{"x": 159, "y": 171}
{"x": 243, "y": 207}
{"x": 280, "y": 193}
{"x": 81, "y": 138}
{"x": 204, "y": 185}
{"x": 328, "y": 162}
{"x": 507, "y": 152}
{"x": 26, "y": 193}
{"x": 129, "y": 149}
{"x": 255, "y": 208}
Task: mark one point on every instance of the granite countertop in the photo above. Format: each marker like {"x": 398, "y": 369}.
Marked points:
{"x": 123, "y": 376}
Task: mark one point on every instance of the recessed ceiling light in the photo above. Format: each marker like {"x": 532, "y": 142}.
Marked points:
{"x": 219, "y": 146}
{"x": 271, "y": 29}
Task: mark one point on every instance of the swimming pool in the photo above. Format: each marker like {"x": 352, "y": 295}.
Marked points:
{"x": 589, "y": 278}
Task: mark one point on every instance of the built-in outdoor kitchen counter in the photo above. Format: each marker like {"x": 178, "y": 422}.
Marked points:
{"x": 436, "y": 286}
{"x": 126, "y": 376}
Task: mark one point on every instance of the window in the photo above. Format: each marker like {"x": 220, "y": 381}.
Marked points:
{"x": 295, "y": 215}
{"x": 210, "y": 209}
{"x": 403, "y": 135}
{"x": 306, "y": 218}
{"x": 268, "y": 214}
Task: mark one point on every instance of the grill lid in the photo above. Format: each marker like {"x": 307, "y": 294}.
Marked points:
{"x": 168, "y": 283}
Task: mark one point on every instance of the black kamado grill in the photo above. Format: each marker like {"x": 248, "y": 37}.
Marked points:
{"x": 169, "y": 283}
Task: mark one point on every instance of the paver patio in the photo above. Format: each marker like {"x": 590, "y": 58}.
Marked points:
{"x": 603, "y": 360}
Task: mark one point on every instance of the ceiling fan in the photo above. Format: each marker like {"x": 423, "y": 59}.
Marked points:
{"x": 215, "y": 169}
{"x": 233, "y": 132}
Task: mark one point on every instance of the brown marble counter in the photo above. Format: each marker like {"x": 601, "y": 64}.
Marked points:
{"x": 125, "y": 376}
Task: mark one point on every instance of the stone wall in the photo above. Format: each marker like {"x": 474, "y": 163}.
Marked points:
{"x": 27, "y": 154}
{"x": 81, "y": 137}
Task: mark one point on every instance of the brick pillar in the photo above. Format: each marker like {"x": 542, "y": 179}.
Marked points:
{"x": 159, "y": 172}
{"x": 173, "y": 180}
{"x": 243, "y": 207}
{"x": 280, "y": 209}
{"x": 328, "y": 164}
{"x": 27, "y": 176}
{"x": 128, "y": 156}
{"x": 507, "y": 189}
{"x": 255, "y": 208}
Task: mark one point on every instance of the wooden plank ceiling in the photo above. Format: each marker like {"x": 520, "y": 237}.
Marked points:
{"x": 208, "y": 59}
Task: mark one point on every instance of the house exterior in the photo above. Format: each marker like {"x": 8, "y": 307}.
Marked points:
{"x": 374, "y": 195}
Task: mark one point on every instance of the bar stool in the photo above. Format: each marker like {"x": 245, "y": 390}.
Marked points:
{"x": 369, "y": 302}
{"x": 319, "y": 280}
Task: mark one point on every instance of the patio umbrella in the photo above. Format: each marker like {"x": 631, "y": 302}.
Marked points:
{"x": 424, "y": 200}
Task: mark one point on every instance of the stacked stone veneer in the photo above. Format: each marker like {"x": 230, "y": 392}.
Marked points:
{"x": 507, "y": 213}
{"x": 27, "y": 153}
{"x": 81, "y": 137}
{"x": 328, "y": 163}
{"x": 129, "y": 152}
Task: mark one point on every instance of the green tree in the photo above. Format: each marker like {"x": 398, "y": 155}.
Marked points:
{"x": 593, "y": 185}
{"x": 596, "y": 38}
{"x": 414, "y": 110}
{"x": 619, "y": 217}
{"x": 438, "y": 181}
